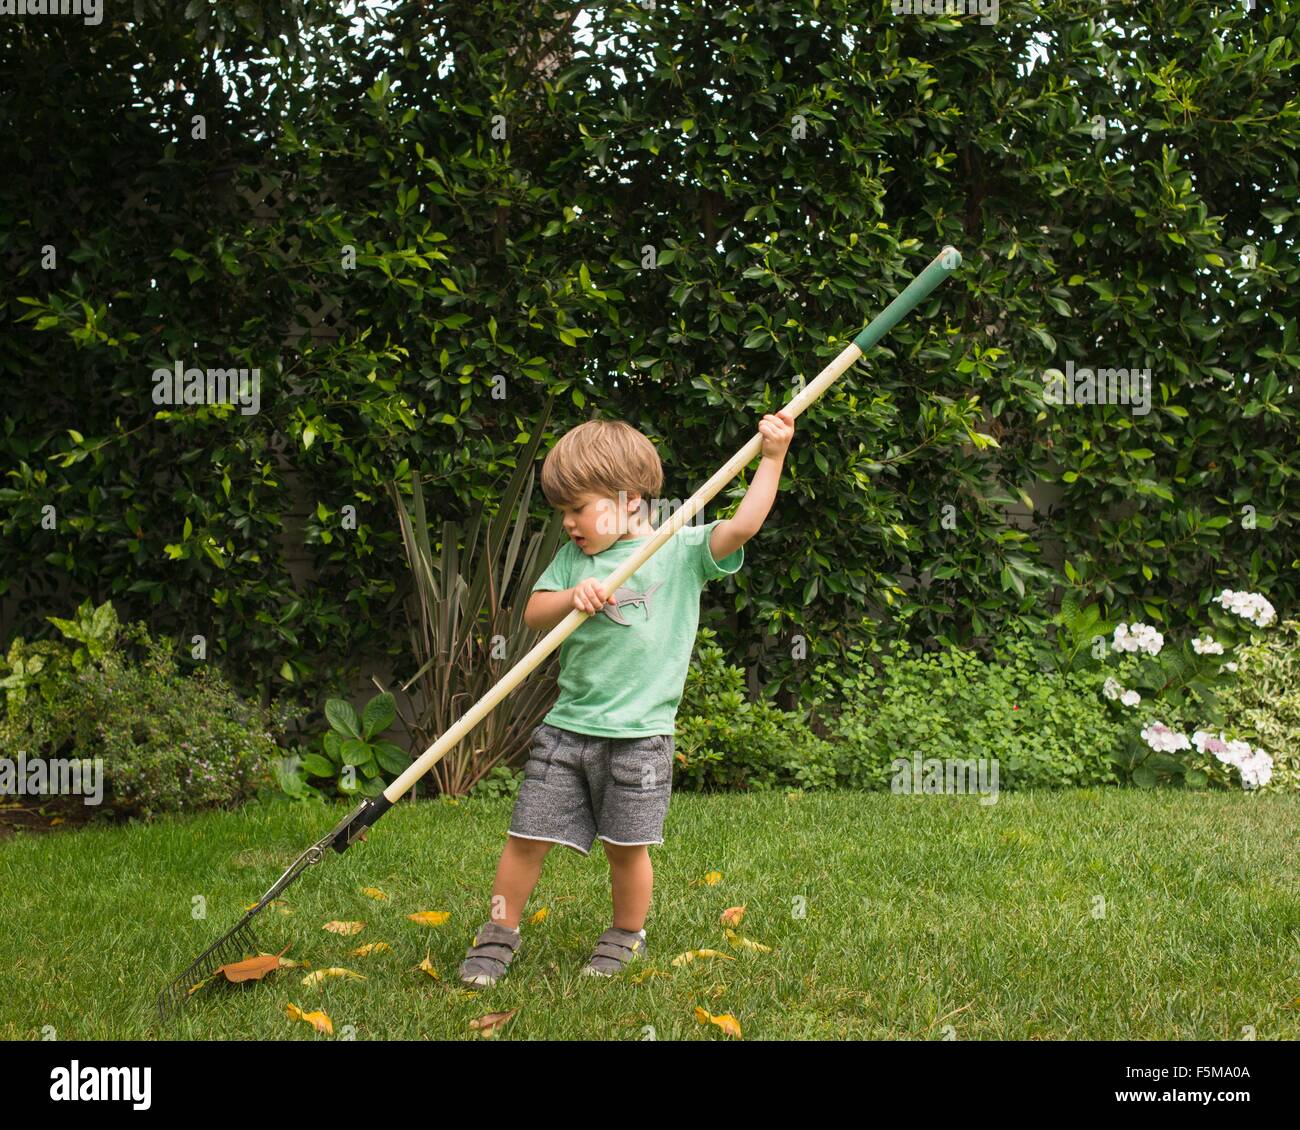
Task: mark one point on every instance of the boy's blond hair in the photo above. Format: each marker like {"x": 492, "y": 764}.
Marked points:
{"x": 601, "y": 457}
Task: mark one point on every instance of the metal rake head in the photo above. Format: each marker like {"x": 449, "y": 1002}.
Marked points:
{"x": 231, "y": 946}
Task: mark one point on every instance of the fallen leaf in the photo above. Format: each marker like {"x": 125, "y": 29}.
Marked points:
{"x": 334, "y": 971}
{"x": 343, "y": 927}
{"x": 427, "y": 966}
{"x": 732, "y": 915}
{"x": 317, "y": 1020}
{"x": 430, "y": 917}
{"x": 489, "y": 1024}
{"x": 690, "y": 955}
{"x": 539, "y": 916}
{"x": 745, "y": 943}
{"x": 56, "y": 820}
{"x": 196, "y": 988}
{"x": 371, "y": 948}
{"x": 713, "y": 878}
{"x": 373, "y": 892}
{"x": 251, "y": 968}
{"x": 728, "y": 1023}
{"x": 637, "y": 978}
{"x": 278, "y": 905}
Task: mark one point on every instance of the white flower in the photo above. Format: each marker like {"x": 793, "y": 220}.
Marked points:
{"x": 1229, "y": 666}
{"x": 1160, "y": 737}
{"x": 1130, "y": 698}
{"x": 1207, "y": 646}
{"x": 1111, "y": 688}
{"x": 1138, "y": 637}
{"x": 1208, "y": 743}
{"x": 1251, "y": 606}
{"x": 1256, "y": 770}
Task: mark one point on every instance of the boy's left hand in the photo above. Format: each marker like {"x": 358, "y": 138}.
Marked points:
{"x": 777, "y": 432}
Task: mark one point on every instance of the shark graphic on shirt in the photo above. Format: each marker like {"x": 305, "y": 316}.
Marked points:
{"x": 626, "y": 596}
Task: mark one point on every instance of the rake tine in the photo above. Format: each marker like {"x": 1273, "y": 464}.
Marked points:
{"x": 235, "y": 942}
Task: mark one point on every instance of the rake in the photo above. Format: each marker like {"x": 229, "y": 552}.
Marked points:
{"x": 240, "y": 939}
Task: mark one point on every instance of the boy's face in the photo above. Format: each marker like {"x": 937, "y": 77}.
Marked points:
{"x": 593, "y": 522}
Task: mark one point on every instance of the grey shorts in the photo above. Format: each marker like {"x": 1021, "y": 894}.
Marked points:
{"x": 580, "y": 787}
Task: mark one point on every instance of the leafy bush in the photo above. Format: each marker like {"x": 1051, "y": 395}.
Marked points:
{"x": 168, "y": 742}
{"x": 1044, "y": 728}
{"x": 724, "y": 741}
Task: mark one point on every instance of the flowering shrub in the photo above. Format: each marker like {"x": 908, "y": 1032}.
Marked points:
{"x": 169, "y": 742}
{"x": 1177, "y": 689}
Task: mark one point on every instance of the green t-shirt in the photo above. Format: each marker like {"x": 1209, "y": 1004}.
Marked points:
{"x": 622, "y": 670}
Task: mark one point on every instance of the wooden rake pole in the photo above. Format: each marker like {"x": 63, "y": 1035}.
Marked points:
{"x": 353, "y": 827}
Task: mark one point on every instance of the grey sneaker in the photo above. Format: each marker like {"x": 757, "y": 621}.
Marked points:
{"x": 614, "y": 949}
{"x": 489, "y": 955}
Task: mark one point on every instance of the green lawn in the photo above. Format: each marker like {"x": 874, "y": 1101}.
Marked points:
{"x": 918, "y": 913}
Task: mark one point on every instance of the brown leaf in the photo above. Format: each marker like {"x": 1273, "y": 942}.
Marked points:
{"x": 489, "y": 1024}
{"x": 251, "y": 968}
{"x": 732, "y": 915}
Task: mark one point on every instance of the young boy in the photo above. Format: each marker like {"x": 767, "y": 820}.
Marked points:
{"x": 601, "y": 762}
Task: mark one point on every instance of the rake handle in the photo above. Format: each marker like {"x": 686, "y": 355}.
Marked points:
{"x": 943, "y": 264}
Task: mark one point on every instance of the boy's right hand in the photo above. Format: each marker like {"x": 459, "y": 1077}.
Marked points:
{"x": 590, "y": 595}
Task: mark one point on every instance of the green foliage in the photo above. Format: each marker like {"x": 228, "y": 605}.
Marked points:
{"x": 723, "y": 741}
{"x": 515, "y": 245}
{"x": 169, "y": 742}
{"x": 351, "y": 757}
{"x": 499, "y": 782}
{"x": 465, "y": 619}
{"x": 1045, "y": 728}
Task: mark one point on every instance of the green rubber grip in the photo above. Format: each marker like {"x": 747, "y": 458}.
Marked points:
{"x": 941, "y": 266}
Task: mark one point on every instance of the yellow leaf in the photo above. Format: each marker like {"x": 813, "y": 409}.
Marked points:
{"x": 430, "y": 917}
{"x": 733, "y": 914}
{"x": 56, "y": 820}
{"x": 334, "y": 971}
{"x": 713, "y": 878}
{"x": 427, "y": 966}
{"x": 540, "y": 916}
{"x": 728, "y": 1023}
{"x": 277, "y": 905}
{"x": 317, "y": 1020}
{"x": 745, "y": 943}
{"x": 373, "y": 892}
{"x": 343, "y": 927}
{"x": 371, "y": 948}
{"x": 690, "y": 955}
{"x": 637, "y": 978}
